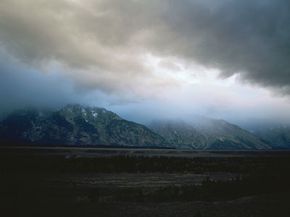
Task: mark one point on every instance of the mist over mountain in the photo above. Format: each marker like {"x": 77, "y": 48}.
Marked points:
{"x": 278, "y": 135}
{"x": 77, "y": 125}
{"x": 206, "y": 133}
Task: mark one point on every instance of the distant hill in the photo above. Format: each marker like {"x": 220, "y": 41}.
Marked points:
{"x": 274, "y": 132}
{"x": 75, "y": 125}
{"x": 206, "y": 133}
{"x": 277, "y": 136}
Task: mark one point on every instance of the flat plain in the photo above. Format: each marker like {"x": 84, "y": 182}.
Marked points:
{"x": 76, "y": 181}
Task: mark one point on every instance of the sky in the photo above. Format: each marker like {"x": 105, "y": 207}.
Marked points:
{"x": 148, "y": 59}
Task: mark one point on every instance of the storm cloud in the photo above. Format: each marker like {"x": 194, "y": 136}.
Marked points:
{"x": 108, "y": 38}
{"x": 109, "y": 47}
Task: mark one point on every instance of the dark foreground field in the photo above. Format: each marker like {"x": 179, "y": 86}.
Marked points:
{"x": 136, "y": 182}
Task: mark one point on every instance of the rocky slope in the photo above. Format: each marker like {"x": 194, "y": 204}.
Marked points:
{"x": 206, "y": 133}
{"x": 75, "y": 125}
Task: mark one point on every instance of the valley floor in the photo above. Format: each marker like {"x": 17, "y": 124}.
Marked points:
{"x": 100, "y": 182}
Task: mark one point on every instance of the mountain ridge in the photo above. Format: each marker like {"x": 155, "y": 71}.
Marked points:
{"x": 78, "y": 125}
{"x": 208, "y": 134}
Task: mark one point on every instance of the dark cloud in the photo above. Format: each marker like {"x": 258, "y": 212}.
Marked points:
{"x": 109, "y": 37}
{"x": 104, "y": 51}
{"x": 246, "y": 37}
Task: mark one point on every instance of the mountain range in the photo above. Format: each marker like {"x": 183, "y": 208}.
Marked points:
{"x": 207, "y": 133}
{"x": 77, "y": 125}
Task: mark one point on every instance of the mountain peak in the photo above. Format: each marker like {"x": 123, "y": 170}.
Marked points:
{"x": 76, "y": 125}
{"x": 77, "y": 108}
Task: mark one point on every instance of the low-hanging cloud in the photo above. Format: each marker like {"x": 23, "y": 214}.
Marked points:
{"x": 23, "y": 87}
{"x": 146, "y": 59}
{"x": 106, "y": 40}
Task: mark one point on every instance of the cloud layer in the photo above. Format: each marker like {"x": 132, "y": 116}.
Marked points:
{"x": 113, "y": 46}
{"x": 107, "y": 39}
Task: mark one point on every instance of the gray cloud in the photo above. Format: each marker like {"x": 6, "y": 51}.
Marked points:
{"x": 250, "y": 37}
{"x": 21, "y": 86}
{"x": 98, "y": 52}
{"x": 106, "y": 39}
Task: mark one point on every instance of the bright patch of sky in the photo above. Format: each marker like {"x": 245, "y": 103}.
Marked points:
{"x": 198, "y": 90}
